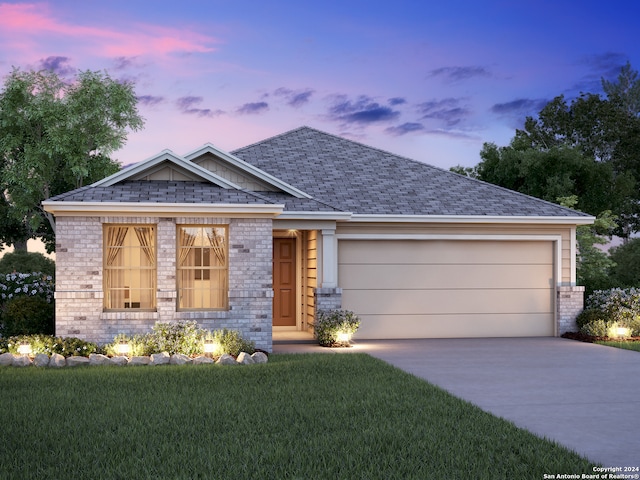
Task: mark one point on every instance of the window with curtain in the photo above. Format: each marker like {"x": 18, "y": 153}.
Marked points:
{"x": 129, "y": 267}
{"x": 202, "y": 267}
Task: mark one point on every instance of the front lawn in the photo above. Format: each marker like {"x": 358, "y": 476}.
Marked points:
{"x": 627, "y": 345}
{"x": 299, "y": 416}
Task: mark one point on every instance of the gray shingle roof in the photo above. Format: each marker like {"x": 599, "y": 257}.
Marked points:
{"x": 340, "y": 175}
{"x": 365, "y": 180}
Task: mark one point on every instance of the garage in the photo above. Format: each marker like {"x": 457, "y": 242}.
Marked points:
{"x": 449, "y": 288}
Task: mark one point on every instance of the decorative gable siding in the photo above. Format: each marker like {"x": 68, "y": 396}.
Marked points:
{"x": 213, "y": 164}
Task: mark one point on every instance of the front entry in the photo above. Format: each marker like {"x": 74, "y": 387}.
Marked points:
{"x": 284, "y": 282}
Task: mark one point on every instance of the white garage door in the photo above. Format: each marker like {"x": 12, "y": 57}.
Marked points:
{"x": 439, "y": 289}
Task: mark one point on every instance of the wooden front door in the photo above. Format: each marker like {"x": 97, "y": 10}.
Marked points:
{"x": 284, "y": 282}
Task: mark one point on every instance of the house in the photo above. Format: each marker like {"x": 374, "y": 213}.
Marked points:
{"x": 260, "y": 238}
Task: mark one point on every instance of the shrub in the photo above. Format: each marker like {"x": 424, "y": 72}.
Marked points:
{"x": 25, "y": 315}
{"x": 49, "y": 344}
{"x": 181, "y": 337}
{"x": 330, "y": 324}
{"x": 33, "y": 284}
{"x": 13, "y": 262}
{"x": 608, "y": 309}
{"x": 231, "y": 342}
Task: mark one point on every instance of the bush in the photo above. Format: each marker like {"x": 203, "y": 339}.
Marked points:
{"x": 27, "y": 315}
{"x": 231, "y": 342}
{"x": 181, "y": 337}
{"x": 13, "y": 262}
{"x": 33, "y": 284}
{"x": 330, "y": 324}
{"x": 609, "y": 309}
{"x": 49, "y": 345}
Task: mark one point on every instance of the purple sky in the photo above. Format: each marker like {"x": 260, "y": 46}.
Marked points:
{"x": 429, "y": 80}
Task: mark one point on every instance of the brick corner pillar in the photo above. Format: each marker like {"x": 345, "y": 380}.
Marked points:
{"x": 570, "y": 304}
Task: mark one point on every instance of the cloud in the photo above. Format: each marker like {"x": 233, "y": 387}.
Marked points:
{"x": 150, "y": 100}
{"x": 601, "y": 65}
{"x": 253, "y": 108}
{"x": 396, "y": 101}
{"x": 447, "y": 110}
{"x": 294, "y": 98}
{"x": 187, "y": 105}
{"x": 408, "y": 127}
{"x": 57, "y": 65}
{"x": 26, "y": 22}
{"x": 521, "y": 107}
{"x": 363, "y": 110}
{"x": 456, "y": 74}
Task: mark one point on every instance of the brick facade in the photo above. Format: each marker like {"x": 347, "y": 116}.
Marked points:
{"x": 79, "y": 282}
{"x": 570, "y": 303}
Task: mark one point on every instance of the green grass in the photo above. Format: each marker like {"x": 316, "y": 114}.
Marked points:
{"x": 299, "y": 416}
{"x": 620, "y": 344}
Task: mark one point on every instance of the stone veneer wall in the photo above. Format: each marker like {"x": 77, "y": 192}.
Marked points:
{"x": 570, "y": 303}
{"x": 328, "y": 299}
{"x": 79, "y": 284}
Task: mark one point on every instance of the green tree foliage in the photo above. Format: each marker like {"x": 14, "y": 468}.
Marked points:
{"x": 626, "y": 272}
{"x": 26, "y": 262}
{"x": 54, "y": 137}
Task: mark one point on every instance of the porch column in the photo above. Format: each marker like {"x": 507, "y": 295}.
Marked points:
{"x": 329, "y": 259}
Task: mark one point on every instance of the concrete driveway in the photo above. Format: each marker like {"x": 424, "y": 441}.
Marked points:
{"x": 584, "y": 396}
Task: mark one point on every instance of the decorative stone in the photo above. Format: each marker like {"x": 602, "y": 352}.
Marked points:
{"x": 119, "y": 361}
{"x": 160, "y": 358}
{"x": 41, "y": 360}
{"x": 98, "y": 359}
{"x": 201, "y": 360}
{"x": 75, "y": 361}
{"x": 6, "y": 359}
{"x": 179, "y": 359}
{"x": 260, "y": 357}
{"x": 226, "y": 359}
{"x": 57, "y": 361}
{"x": 245, "y": 359}
{"x": 21, "y": 361}
{"x": 138, "y": 360}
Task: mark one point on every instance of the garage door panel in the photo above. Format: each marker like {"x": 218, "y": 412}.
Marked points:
{"x": 449, "y": 326}
{"x": 462, "y": 252}
{"x": 462, "y": 288}
{"x": 411, "y": 302}
{"x": 398, "y": 277}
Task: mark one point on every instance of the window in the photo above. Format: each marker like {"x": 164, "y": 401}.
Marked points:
{"x": 202, "y": 268}
{"x": 129, "y": 267}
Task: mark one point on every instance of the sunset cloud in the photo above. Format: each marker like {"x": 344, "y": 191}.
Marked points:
{"x": 32, "y": 21}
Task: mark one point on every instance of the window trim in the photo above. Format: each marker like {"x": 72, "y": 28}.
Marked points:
{"x": 153, "y": 290}
{"x": 210, "y": 269}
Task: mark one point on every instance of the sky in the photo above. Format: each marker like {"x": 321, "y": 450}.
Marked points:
{"x": 432, "y": 81}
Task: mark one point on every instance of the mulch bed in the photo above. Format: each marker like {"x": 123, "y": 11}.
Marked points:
{"x": 590, "y": 339}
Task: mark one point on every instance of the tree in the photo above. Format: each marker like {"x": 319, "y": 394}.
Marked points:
{"x": 55, "y": 137}
{"x": 626, "y": 272}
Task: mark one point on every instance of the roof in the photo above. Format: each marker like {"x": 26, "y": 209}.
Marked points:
{"x": 365, "y": 180}
{"x": 336, "y": 174}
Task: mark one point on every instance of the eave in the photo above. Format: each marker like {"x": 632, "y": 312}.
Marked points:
{"x": 122, "y": 209}
{"x": 568, "y": 220}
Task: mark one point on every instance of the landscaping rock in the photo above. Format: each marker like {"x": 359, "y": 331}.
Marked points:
{"x": 179, "y": 359}
{"x": 245, "y": 359}
{"x": 41, "y": 360}
{"x": 160, "y": 358}
{"x": 57, "y": 361}
{"x": 201, "y": 360}
{"x": 260, "y": 357}
{"x": 138, "y": 360}
{"x": 119, "y": 361}
{"x": 6, "y": 359}
{"x": 226, "y": 359}
{"x": 98, "y": 359}
{"x": 21, "y": 361}
{"x": 75, "y": 361}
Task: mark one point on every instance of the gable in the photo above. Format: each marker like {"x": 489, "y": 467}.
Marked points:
{"x": 240, "y": 177}
{"x": 166, "y": 171}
